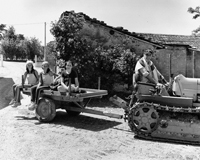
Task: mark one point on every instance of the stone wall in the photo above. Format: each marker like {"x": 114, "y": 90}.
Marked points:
{"x": 183, "y": 61}
{"x": 172, "y": 60}
{"x": 197, "y": 64}
{"x": 108, "y": 36}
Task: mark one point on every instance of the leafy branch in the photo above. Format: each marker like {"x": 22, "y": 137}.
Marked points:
{"x": 196, "y": 13}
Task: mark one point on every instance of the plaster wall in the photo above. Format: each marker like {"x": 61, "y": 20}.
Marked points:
{"x": 171, "y": 60}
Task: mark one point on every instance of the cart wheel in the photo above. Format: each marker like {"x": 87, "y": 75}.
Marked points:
{"x": 46, "y": 110}
{"x": 73, "y": 113}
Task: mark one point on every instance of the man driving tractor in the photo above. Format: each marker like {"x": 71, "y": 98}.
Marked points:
{"x": 146, "y": 72}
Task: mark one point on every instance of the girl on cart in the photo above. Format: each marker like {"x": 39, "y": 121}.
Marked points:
{"x": 31, "y": 75}
{"x": 69, "y": 76}
{"x": 46, "y": 78}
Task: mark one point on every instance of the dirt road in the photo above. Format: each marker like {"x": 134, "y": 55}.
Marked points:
{"x": 86, "y": 137}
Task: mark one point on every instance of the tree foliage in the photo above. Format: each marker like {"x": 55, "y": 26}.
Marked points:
{"x": 2, "y": 30}
{"x": 33, "y": 48}
{"x": 66, "y": 33}
{"x": 93, "y": 59}
{"x": 51, "y": 49}
{"x": 196, "y": 14}
{"x": 16, "y": 46}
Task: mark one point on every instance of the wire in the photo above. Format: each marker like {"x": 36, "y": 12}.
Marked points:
{"x": 28, "y": 23}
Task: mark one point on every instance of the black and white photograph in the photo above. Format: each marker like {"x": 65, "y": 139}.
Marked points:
{"x": 100, "y": 80}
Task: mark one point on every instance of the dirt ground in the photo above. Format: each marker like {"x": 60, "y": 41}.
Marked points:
{"x": 86, "y": 137}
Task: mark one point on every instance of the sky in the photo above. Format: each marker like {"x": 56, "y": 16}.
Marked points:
{"x": 28, "y": 17}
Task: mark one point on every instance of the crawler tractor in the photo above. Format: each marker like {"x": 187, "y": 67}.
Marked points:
{"x": 170, "y": 118}
{"x": 152, "y": 116}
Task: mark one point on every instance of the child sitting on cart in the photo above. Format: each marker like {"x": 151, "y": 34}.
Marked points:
{"x": 57, "y": 80}
{"x": 46, "y": 78}
{"x": 32, "y": 78}
{"x": 69, "y": 76}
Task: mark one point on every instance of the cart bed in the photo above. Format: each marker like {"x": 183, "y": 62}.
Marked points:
{"x": 84, "y": 93}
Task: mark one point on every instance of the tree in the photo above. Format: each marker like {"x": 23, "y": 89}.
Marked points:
{"x": 66, "y": 33}
{"x": 2, "y": 27}
{"x": 2, "y": 30}
{"x": 93, "y": 56}
{"x": 9, "y": 44}
{"x": 10, "y": 34}
{"x": 16, "y": 46}
{"x": 196, "y": 13}
{"x": 51, "y": 48}
{"x": 33, "y": 48}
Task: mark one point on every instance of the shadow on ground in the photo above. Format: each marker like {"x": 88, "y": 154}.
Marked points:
{"x": 5, "y": 91}
{"x": 82, "y": 122}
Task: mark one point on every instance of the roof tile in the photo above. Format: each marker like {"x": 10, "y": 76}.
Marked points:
{"x": 190, "y": 40}
{"x": 157, "y": 39}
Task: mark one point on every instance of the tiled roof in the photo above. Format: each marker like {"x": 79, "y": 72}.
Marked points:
{"x": 119, "y": 29}
{"x": 156, "y": 39}
{"x": 190, "y": 40}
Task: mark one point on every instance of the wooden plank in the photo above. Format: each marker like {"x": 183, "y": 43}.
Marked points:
{"x": 91, "y": 111}
{"x": 90, "y": 93}
{"x": 62, "y": 98}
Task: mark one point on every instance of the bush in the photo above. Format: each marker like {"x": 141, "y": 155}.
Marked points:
{"x": 114, "y": 64}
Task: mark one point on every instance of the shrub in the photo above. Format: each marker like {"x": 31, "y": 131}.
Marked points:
{"x": 93, "y": 59}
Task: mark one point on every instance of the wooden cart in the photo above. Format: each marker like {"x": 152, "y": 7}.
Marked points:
{"x": 73, "y": 103}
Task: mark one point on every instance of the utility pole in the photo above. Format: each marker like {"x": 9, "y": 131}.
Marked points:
{"x": 45, "y": 56}
{"x": 1, "y": 51}
{"x": 193, "y": 63}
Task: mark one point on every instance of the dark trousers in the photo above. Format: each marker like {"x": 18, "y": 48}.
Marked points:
{"x": 17, "y": 88}
{"x": 35, "y": 92}
{"x": 16, "y": 92}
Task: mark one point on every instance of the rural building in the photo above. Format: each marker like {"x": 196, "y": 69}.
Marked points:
{"x": 175, "y": 54}
{"x": 181, "y": 54}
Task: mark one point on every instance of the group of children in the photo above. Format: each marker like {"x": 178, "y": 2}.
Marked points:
{"x": 42, "y": 81}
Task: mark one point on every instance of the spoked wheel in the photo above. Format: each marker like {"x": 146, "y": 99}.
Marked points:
{"x": 143, "y": 118}
{"x": 46, "y": 110}
{"x": 73, "y": 113}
